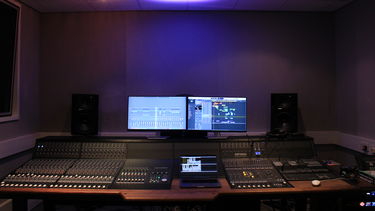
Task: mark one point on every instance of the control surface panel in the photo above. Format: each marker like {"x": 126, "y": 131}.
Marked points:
{"x": 145, "y": 174}
{"x": 246, "y": 173}
{"x": 248, "y": 163}
{"x": 304, "y": 169}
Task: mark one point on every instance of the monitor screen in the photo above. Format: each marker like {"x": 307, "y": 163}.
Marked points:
{"x": 198, "y": 164}
{"x": 156, "y": 113}
{"x": 217, "y": 113}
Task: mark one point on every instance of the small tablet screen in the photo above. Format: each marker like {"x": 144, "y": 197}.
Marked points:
{"x": 205, "y": 164}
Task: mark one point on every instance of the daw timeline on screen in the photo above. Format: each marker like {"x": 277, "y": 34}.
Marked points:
{"x": 157, "y": 113}
{"x": 191, "y": 164}
{"x": 217, "y": 113}
{"x": 194, "y": 164}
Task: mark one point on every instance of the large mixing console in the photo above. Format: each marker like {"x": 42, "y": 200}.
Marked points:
{"x": 264, "y": 162}
{"x": 246, "y": 173}
{"x": 81, "y": 163}
{"x": 87, "y": 165}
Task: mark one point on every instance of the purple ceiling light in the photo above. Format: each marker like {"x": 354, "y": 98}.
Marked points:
{"x": 182, "y": 1}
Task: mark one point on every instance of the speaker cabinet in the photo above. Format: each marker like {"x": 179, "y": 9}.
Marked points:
{"x": 284, "y": 113}
{"x": 84, "y": 114}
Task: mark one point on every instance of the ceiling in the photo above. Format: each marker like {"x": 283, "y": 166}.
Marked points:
{"x": 125, "y": 5}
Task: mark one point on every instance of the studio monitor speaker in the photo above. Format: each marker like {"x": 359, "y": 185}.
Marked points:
{"x": 284, "y": 113}
{"x": 84, "y": 114}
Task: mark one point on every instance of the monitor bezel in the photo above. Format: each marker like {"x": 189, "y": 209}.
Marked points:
{"x": 186, "y": 114}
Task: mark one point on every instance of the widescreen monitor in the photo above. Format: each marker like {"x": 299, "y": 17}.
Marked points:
{"x": 217, "y": 113}
{"x": 156, "y": 113}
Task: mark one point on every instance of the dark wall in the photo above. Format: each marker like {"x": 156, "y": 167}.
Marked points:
{"x": 355, "y": 58}
{"x": 116, "y": 54}
{"x": 29, "y": 78}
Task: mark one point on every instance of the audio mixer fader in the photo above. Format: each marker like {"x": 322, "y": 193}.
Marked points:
{"x": 38, "y": 173}
{"x": 145, "y": 174}
{"x": 88, "y": 165}
{"x": 249, "y": 173}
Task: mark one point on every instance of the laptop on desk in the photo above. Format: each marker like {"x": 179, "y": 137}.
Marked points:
{"x": 199, "y": 171}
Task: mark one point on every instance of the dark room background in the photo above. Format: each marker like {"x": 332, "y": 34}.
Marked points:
{"x": 327, "y": 58}
{"x": 199, "y": 53}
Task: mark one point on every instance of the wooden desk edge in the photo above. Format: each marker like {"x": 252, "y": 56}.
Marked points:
{"x": 201, "y": 194}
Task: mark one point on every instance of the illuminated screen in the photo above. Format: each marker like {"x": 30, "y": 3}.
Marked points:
{"x": 156, "y": 113}
{"x": 217, "y": 113}
{"x": 198, "y": 164}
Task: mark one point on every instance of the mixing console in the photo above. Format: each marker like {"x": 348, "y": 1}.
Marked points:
{"x": 246, "y": 173}
{"x": 52, "y": 149}
{"x": 97, "y": 167}
{"x": 70, "y": 164}
{"x": 151, "y": 175}
{"x": 90, "y": 173}
{"x": 103, "y": 150}
{"x": 305, "y": 169}
{"x": 38, "y": 173}
{"x": 100, "y": 164}
{"x": 29, "y": 180}
{"x": 235, "y": 149}
{"x": 45, "y": 166}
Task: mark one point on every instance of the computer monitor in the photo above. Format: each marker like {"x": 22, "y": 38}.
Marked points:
{"x": 156, "y": 113}
{"x": 198, "y": 165}
{"x": 199, "y": 171}
{"x": 217, "y": 113}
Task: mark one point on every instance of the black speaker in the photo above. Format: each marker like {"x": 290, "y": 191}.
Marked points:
{"x": 84, "y": 114}
{"x": 284, "y": 113}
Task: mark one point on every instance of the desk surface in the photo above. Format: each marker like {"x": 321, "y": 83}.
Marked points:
{"x": 198, "y": 194}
